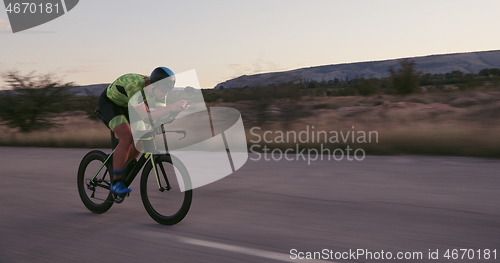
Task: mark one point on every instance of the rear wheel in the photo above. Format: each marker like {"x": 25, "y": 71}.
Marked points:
{"x": 94, "y": 189}
{"x": 162, "y": 196}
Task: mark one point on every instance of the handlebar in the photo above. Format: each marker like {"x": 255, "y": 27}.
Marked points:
{"x": 158, "y": 124}
{"x": 178, "y": 131}
{"x": 167, "y": 119}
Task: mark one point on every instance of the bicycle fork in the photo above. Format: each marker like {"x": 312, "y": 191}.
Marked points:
{"x": 161, "y": 188}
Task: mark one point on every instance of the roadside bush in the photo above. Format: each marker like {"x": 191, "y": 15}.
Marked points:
{"x": 30, "y": 98}
{"x": 405, "y": 80}
{"x": 367, "y": 87}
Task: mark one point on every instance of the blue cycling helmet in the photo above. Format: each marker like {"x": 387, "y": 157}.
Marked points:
{"x": 161, "y": 73}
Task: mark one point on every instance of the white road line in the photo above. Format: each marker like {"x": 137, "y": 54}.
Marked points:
{"x": 232, "y": 248}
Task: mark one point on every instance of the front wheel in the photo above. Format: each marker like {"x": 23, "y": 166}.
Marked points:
{"x": 94, "y": 179}
{"x": 161, "y": 190}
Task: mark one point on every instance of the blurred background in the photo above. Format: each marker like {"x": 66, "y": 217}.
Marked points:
{"x": 416, "y": 82}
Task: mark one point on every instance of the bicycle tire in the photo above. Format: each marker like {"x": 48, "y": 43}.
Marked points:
{"x": 86, "y": 171}
{"x": 166, "y": 207}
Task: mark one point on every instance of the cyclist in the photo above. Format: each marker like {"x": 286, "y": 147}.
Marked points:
{"x": 113, "y": 104}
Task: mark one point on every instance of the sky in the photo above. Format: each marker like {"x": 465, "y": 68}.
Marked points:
{"x": 97, "y": 41}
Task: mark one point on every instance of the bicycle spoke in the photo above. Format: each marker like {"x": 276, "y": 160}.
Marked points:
{"x": 165, "y": 207}
{"x": 94, "y": 181}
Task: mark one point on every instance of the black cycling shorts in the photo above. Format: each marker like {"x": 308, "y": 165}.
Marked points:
{"x": 113, "y": 114}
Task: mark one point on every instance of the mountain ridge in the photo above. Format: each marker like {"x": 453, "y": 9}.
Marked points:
{"x": 467, "y": 62}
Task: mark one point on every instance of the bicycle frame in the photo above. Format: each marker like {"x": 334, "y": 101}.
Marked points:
{"x": 144, "y": 157}
{"x": 137, "y": 167}
{"x": 89, "y": 180}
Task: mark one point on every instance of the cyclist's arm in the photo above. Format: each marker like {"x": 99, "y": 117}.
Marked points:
{"x": 159, "y": 112}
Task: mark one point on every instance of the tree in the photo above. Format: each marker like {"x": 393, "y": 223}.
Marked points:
{"x": 454, "y": 75}
{"x": 311, "y": 85}
{"x": 484, "y": 72}
{"x": 405, "y": 79}
{"x": 495, "y": 71}
{"x": 366, "y": 87}
{"x": 30, "y": 98}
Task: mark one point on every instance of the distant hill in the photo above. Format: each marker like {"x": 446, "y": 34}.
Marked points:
{"x": 95, "y": 89}
{"x": 90, "y": 90}
{"x": 471, "y": 62}
{"x": 86, "y": 90}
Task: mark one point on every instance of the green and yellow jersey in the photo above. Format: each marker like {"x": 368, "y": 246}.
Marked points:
{"x": 124, "y": 87}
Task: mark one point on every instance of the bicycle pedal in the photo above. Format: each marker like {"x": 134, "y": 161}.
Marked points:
{"x": 118, "y": 198}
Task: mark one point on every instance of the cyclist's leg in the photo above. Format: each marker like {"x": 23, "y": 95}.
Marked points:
{"x": 125, "y": 150}
{"x": 117, "y": 120}
{"x": 133, "y": 153}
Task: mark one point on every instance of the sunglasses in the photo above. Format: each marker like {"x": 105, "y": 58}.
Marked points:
{"x": 165, "y": 88}
{"x": 166, "y": 85}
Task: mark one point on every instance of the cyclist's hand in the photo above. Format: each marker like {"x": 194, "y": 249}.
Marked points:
{"x": 179, "y": 105}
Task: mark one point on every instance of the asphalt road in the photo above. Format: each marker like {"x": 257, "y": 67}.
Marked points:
{"x": 268, "y": 211}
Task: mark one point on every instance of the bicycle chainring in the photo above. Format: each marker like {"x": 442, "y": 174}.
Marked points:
{"x": 118, "y": 198}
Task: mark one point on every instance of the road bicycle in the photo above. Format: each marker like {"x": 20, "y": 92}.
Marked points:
{"x": 160, "y": 188}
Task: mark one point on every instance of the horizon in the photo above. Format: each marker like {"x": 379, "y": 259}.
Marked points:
{"x": 381, "y": 60}
{"x": 286, "y": 70}
{"x": 104, "y": 83}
